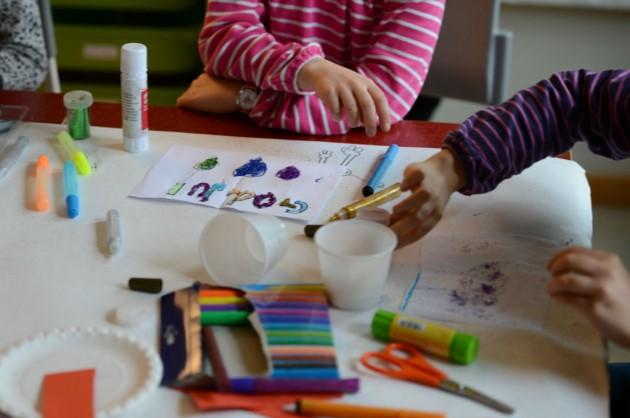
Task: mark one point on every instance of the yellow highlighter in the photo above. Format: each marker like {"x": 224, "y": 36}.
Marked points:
{"x": 73, "y": 153}
{"x": 312, "y": 407}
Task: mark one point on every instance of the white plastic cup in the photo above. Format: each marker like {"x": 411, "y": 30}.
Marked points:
{"x": 354, "y": 259}
{"x": 239, "y": 249}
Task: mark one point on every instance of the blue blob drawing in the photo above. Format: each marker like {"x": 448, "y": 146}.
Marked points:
{"x": 255, "y": 167}
{"x": 288, "y": 173}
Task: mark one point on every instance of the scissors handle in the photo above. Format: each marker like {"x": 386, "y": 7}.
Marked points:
{"x": 414, "y": 357}
{"x": 398, "y": 368}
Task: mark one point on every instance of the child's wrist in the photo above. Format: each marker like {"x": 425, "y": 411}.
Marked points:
{"x": 453, "y": 169}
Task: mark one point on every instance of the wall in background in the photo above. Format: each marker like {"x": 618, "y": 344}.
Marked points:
{"x": 549, "y": 39}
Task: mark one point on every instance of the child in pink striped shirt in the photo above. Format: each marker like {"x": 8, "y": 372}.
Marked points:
{"x": 315, "y": 66}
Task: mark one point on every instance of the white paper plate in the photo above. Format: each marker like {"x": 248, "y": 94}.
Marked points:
{"x": 126, "y": 369}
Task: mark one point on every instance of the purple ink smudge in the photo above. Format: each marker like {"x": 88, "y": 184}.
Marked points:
{"x": 488, "y": 289}
{"x": 288, "y": 173}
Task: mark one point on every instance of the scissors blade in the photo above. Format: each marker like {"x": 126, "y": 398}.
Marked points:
{"x": 472, "y": 394}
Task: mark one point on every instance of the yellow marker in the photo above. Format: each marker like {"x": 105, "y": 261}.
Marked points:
{"x": 385, "y": 195}
{"x": 42, "y": 173}
{"x": 73, "y": 153}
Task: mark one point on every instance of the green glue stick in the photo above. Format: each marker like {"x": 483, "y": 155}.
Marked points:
{"x": 428, "y": 336}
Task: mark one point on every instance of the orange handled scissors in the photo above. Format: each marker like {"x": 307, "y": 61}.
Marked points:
{"x": 405, "y": 362}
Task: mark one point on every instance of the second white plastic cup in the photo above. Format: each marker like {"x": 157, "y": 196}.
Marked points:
{"x": 239, "y": 249}
{"x": 354, "y": 259}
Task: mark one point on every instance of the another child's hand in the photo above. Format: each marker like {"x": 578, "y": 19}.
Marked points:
{"x": 597, "y": 284}
{"x": 211, "y": 94}
{"x": 432, "y": 182}
{"x": 344, "y": 90}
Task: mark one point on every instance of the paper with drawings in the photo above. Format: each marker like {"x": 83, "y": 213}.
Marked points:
{"x": 249, "y": 183}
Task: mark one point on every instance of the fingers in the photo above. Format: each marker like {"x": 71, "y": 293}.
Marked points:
{"x": 413, "y": 203}
{"x": 413, "y": 178}
{"x": 349, "y": 105}
{"x": 330, "y": 97}
{"x": 409, "y": 228}
{"x": 579, "y": 260}
{"x": 574, "y": 284}
{"x": 368, "y": 111}
{"x": 382, "y": 106}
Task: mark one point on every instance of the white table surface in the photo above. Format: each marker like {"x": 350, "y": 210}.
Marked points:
{"x": 55, "y": 272}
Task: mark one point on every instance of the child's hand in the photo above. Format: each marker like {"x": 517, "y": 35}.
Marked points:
{"x": 431, "y": 182}
{"x": 342, "y": 89}
{"x": 597, "y": 284}
{"x": 211, "y": 94}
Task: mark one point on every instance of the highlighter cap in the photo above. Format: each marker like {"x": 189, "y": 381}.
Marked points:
{"x": 381, "y": 324}
{"x": 72, "y": 202}
{"x": 463, "y": 349}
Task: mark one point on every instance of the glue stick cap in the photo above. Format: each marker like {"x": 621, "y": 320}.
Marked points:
{"x": 381, "y": 324}
{"x": 463, "y": 348}
{"x": 77, "y": 99}
{"x": 133, "y": 58}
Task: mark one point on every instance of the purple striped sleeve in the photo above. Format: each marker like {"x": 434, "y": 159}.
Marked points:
{"x": 542, "y": 121}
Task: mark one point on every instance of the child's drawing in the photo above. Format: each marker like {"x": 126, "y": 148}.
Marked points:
{"x": 288, "y": 173}
{"x": 207, "y": 164}
{"x": 175, "y": 189}
{"x": 255, "y": 167}
{"x": 324, "y": 155}
{"x": 494, "y": 280}
{"x": 224, "y": 181}
{"x": 214, "y": 188}
{"x": 264, "y": 200}
{"x": 203, "y": 186}
{"x": 350, "y": 152}
{"x": 296, "y": 207}
{"x": 236, "y": 195}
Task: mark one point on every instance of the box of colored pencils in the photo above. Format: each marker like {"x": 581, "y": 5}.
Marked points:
{"x": 223, "y": 306}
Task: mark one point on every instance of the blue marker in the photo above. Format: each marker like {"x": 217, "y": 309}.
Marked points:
{"x": 377, "y": 176}
{"x": 71, "y": 189}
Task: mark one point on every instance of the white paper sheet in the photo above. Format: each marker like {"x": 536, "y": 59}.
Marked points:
{"x": 250, "y": 183}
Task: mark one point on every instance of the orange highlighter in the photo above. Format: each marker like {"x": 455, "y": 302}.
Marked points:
{"x": 42, "y": 172}
{"x": 313, "y": 407}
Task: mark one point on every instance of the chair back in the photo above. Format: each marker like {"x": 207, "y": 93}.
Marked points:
{"x": 473, "y": 56}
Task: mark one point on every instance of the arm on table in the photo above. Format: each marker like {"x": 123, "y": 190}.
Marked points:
{"x": 389, "y": 75}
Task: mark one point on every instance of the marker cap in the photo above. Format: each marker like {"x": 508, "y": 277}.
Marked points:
{"x": 463, "y": 349}
{"x": 72, "y": 202}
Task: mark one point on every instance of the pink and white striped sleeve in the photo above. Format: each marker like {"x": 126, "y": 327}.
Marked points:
{"x": 234, "y": 44}
{"x": 402, "y": 49}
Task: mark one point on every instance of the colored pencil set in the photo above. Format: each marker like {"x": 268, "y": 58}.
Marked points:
{"x": 223, "y": 306}
{"x": 296, "y": 329}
